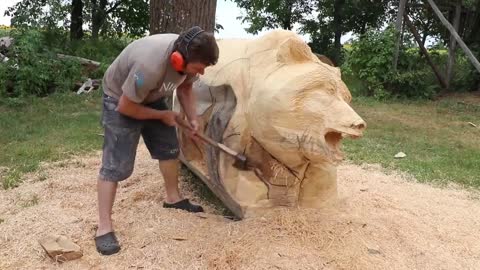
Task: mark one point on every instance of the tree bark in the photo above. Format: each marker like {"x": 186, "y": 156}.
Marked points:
{"x": 337, "y": 25}
{"x": 453, "y": 43}
{"x": 287, "y": 20}
{"x": 398, "y": 27}
{"x": 76, "y": 30}
{"x": 426, "y": 27}
{"x": 414, "y": 31}
{"x": 175, "y": 16}
{"x": 98, "y": 16}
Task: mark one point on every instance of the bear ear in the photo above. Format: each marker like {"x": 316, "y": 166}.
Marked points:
{"x": 294, "y": 51}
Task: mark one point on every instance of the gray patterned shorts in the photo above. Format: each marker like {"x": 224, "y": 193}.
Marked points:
{"x": 122, "y": 135}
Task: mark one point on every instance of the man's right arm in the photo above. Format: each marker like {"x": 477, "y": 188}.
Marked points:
{"x": 135, "y": 88}
{"x": 138, "y": 111}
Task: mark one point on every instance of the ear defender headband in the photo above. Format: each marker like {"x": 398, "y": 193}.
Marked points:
{"x": 177, "y": 60}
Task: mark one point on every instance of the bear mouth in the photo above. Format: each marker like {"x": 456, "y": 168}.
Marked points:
{"x": 333, "y": 141}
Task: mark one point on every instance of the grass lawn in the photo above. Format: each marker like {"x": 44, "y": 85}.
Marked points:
{"x": 440, "y": 145}
{"x": 47, "y": 129}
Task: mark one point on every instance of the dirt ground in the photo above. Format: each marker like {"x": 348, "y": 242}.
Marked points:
{"x": 383, "y": 221}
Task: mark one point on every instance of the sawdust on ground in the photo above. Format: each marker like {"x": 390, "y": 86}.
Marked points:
{"x": 382, "y": 222}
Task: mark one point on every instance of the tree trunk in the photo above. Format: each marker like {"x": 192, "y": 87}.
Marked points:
{"x": 98, "y": 16}
{"x": 76, "y": 30}
{"x": 414, "y": 31}
{"x": 287, "y": 20}
{"x": 175, "y": 16}
{"x": 363, "y": 30}
{"x": 426, "y": 27}
{"x": 398, "y": 27}
{"x": 453, "y": 43}
{"x": 337, "y": 26}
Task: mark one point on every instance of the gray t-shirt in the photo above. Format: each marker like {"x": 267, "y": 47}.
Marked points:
{"x": 142, "y": 72}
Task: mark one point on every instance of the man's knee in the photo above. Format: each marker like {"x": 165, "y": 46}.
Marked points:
{"x": 115, "y": 175}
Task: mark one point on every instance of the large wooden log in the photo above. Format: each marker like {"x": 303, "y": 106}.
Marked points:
{"x": 273, "y": 100}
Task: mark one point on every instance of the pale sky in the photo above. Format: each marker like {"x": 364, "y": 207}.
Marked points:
{"x": 4, "y": 4}
{"x": 227, "y": 12}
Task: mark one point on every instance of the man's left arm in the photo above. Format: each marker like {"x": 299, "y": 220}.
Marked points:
{"x": 188, "y": 101}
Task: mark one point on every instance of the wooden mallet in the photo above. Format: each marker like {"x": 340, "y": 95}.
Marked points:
{"x": 241, "y": 161}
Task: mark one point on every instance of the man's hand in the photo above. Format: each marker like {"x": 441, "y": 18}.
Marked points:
{"x": 194, "y": 124}
{"x": 170, "y": 118}
{"x": 139, "y": 111}
{"x": 193, "y": 130}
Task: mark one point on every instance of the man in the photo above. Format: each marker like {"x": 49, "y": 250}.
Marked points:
{"x": 135, "y": 85}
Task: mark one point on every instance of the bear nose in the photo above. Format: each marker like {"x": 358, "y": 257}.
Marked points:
{"x": 359, "y": 125}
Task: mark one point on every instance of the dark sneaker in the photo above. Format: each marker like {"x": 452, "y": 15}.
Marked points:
{"x": 184, "y": 205}
{"x": 107, "y": 244}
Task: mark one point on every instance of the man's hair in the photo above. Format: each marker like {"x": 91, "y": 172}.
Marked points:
{"x": 202, "y": 48}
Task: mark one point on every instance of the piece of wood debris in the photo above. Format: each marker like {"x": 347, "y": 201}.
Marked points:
{"x": 60, "y": 248}
{"x": 83, "y": 61}
{"x": 373, "y": 251}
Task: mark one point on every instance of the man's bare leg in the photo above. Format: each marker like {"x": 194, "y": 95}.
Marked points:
{"x": 169, "y": 169}
{"x": 106, "y": 191}
{"x": 174, "y": 199}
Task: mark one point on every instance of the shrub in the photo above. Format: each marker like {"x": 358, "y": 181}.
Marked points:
{"x": 35, "y": 69}
{"x": 370, "y": 59}
{"x": 465, "y": 75}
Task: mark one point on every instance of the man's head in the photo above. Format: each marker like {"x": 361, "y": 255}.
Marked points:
{"x": 197, "y": 48}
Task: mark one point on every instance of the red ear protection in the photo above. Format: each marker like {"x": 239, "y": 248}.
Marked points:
{"x": 177, "y": 61}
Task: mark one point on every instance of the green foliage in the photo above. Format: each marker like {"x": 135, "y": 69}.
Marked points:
{"x": 117, "y": 18}
{"x": 104, "y": 50}
{"x": 34, "y": 69}
{"x": 370, "y": 59}
{"x": 11, "y": 179}
{"x": 48, "y": 14}
{"x": 262, "y": 14}
{"x": 131, "y": 17}
{"x": 321, "y": 19}
{"x": 465, "y": 76}
{"x": 341, "y": 17}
